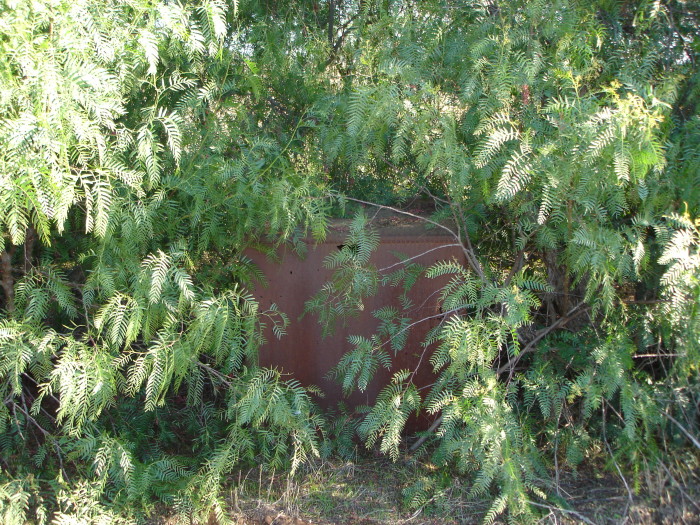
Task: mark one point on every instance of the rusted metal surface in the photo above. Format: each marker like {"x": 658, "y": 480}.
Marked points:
{"x": 307, "y": 356}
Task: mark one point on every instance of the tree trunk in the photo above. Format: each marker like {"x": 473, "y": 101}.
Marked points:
{"x": 331, "y": 20}
{"x": 8, "y": 282}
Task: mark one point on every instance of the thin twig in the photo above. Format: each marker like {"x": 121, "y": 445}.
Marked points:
{"x": 678, "y": 486}
{"x": 215, "y": 372}
{"x": 427, "y": 434}
{"x": 685, "y": 431}
{"x": 541, "y": 334}
{"x": 47, "y": 435}
{"x": 630, "y": 498}
{"x": 404, "y": 261}
{"x": 567, "y": 511}
{"x": 467, "y": 250}
{"x": 640, "y": 356}
{"x": 407, "y": 327}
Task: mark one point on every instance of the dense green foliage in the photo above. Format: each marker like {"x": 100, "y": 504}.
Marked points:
{"x": 132, "y": 177}
{"x": 146, "y": 144}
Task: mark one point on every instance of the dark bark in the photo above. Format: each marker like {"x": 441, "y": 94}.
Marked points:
{"x": 7, "y": 282}
{"x": 331, "y": 21}
{"x": 29, "y": 241}
{"x": 558, "y": 279}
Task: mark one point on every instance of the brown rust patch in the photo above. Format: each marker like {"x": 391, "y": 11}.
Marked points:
{"x": 304, "y": 353}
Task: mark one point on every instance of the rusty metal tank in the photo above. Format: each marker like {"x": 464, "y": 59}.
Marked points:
{"x": 303, "y": 353}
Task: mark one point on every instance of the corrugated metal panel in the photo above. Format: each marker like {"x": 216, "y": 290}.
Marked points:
{"x": 304, "y": 353}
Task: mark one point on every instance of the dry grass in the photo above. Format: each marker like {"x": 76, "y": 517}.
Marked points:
{"x": 369, "y": 492}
